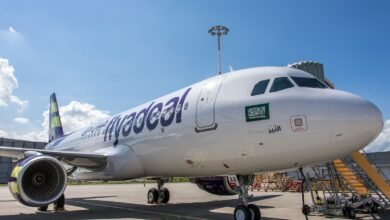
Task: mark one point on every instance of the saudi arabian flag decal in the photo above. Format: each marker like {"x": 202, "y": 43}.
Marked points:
{"x": 257, "y": 112}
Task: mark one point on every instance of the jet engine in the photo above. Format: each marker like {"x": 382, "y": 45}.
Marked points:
{"x": 218, "y": 185}
{"x": 38, "y": 180}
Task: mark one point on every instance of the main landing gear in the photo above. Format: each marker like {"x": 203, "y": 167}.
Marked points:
{"x": 59, "y": 205}
{"x": 159, "y": 195}
{"x": 246, "y": 211}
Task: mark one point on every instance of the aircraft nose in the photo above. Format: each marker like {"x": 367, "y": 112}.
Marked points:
{"x": 355, "y": 121}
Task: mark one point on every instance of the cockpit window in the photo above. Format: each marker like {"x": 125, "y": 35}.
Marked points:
{"x": 308, "y": 82}
{"x": 281, "y": 83}
{"x": 260, "y": 87}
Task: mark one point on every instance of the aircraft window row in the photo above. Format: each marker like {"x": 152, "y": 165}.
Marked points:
{"x": 87, "y": 136}
{"x": 260, "y": 87}
{"x": 308, "y": 82}
{"x": 281, "y": 83}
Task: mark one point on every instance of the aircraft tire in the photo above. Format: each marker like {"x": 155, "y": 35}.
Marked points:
{"x": 254, "y": 211}
{"x": 374, "y": 208}
{"x": 351, "y": 213}
{"x": 242, "y": 212}
{"x": 152, "y": 196}
{"x": 163, "y": 196}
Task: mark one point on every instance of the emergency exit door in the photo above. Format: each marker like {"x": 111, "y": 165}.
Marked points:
{"x": 205, "y": 109}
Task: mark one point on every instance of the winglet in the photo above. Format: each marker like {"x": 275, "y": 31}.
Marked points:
{"x": 55, "y": 125}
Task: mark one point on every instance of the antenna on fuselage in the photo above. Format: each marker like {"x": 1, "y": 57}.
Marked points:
{"x": 219, "y": 30}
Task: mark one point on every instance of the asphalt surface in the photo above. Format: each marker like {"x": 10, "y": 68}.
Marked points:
{"x": 128, "y": 201}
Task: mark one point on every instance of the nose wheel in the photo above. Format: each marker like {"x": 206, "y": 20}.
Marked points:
{"x": 246, "y": 211}
{"x": 160, "y": 195}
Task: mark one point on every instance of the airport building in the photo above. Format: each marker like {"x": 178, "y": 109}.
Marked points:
{"x": 6, "y": 163}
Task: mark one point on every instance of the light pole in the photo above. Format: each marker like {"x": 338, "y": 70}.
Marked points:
{"x": 219, "y": 30}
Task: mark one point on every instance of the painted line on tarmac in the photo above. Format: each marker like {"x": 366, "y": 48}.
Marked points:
{"x": 137, "y": 210}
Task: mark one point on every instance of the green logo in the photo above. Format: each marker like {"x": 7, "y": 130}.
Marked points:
{"x": 257, "y": 112}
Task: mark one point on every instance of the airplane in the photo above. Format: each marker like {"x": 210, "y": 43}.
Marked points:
{"x": 219, "y": 132}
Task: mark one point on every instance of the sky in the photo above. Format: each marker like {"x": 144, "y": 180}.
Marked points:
{"x": 103, "y": 57}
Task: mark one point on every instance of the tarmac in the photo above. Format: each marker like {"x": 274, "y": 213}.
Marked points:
{"x": 128, "y": 201}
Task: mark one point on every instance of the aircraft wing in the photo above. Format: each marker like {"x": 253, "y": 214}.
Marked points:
{"x": 79, "y": 159}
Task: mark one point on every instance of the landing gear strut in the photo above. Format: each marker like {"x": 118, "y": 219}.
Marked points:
{"x": 246, "y": 211}
{"x": 159, "y": 195}
{"x": 59, "y": 205}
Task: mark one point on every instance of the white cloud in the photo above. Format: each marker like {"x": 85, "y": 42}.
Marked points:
{"x": 21, "y": 120}
{"x": 10, "y": 35}
{"x": 12, "y": 30}
{"x": 382, "y": 142}
{"x": 3, "y": 133}
{"x": 8, "y": 83}
{"x": 74, "y": 116}
{"x": 31, "y": 136}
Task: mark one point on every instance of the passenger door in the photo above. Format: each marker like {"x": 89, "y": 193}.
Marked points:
{"x": 205, "y": 109}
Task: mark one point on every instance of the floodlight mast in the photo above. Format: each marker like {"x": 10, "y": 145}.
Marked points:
{"x": 219, "y": 30}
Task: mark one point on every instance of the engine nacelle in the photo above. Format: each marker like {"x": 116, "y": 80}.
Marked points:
{"x": 218, "y": 185}
{"x": 38, "y": 180}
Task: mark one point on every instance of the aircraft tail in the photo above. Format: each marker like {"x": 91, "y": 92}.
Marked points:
{"x": 55, "y": 125}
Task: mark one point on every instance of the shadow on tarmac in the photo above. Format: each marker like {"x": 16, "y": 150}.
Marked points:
{"x": 101, "y": 209}
{"x": 97, "y": 208}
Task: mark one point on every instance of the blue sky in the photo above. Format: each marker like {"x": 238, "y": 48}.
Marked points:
{"x": 117, "y": 54}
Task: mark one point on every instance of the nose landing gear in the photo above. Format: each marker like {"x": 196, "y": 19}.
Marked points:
{"x": 246, "y": 211}
{"x": 160, "y": 195}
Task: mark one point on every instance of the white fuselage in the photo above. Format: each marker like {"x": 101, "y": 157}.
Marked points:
{"x": 215, "y": 127}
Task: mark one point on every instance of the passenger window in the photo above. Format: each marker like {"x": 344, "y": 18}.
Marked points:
{"x": 260, "y": 87}
{"x": 280, "y": 84}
